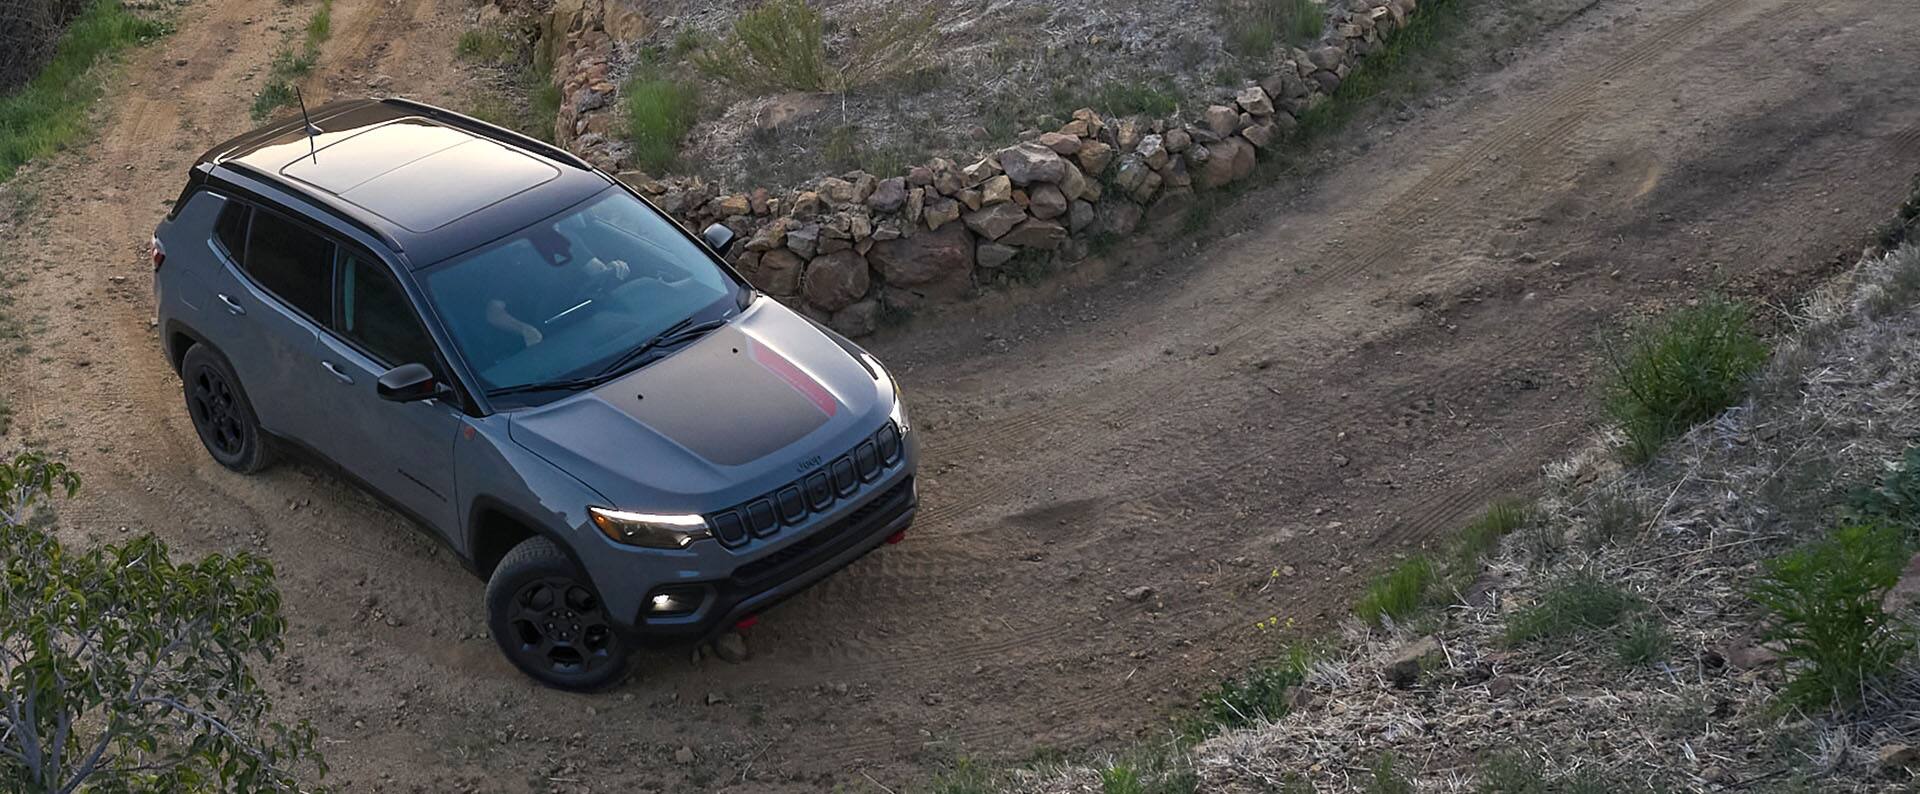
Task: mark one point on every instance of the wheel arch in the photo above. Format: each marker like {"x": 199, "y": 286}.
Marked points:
{"x": 178, "y": 339}
{"x": 496, "y": 527}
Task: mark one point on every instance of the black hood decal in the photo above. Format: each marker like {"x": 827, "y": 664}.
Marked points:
{"x": 728, "y": 398}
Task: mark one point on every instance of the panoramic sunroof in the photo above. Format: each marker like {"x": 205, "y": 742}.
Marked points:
{"x": 418, "y": 174}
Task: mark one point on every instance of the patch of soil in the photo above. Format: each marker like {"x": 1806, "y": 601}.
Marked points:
{"x": 1356, "y": 366}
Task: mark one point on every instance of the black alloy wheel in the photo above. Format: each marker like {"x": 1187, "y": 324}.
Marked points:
{"x": 551, "y": 623}
{"x": 221, "y": 414}
{"x": 559, "y": 625}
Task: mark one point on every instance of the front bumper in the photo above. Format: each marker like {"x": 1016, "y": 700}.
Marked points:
{"x": 760, "y": 584}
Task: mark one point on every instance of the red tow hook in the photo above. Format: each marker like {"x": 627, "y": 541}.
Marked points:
{"x": 896, "y": 537}
{"x": 746, "y": 623}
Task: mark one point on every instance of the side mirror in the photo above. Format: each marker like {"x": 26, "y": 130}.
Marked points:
{"x": 719, "y": 238}
{"x": 408, "y": 383}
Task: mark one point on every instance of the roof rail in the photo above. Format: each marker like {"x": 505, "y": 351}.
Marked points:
{"x": 494, "y": 131}
{"x": 340, "y": 209}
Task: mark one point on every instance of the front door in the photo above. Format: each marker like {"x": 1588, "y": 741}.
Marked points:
{"x": 403, "y": 449}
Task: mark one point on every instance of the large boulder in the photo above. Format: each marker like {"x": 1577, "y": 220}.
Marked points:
{"x": 1080, "y": 216}
{"x": 1094, "y": 157}
{"x": 888, "y": 195}
{"x": 996, "y": 190}
{"x": 779, "y": 272}
{"x": 1328, "y": 57}
{"x": 936, "y": 264}
{"x": 1036, "y": 233}
{"x": 994, "y": 221}
{"x": 1047, "y": 201}
{"x": 833, "y": 282}
{"x": 1074, "y": 183}
{"x": 1221, "y": 120}
{"x": 1153, "y": 150}
{"x": 1254, "y": 100}
{"x": 1231, "y": 159}
{"x": 940, "y": 213}
{"x": 857, "y": 320}
{"x": 1030, "y": 162}
{"x": 1060, "y": 143}
{"x": 991, "y": 255}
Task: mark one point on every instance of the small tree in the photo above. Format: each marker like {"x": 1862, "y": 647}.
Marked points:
{"x": 124, "y": 671}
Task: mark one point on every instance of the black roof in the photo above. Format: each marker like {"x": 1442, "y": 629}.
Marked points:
{"x": 429, "y": 182}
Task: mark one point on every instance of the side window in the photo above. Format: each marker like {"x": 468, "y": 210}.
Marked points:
{"x": 231, "y": 228}
{"x": 292, "y": 263}
{"x": 376, "y": 315}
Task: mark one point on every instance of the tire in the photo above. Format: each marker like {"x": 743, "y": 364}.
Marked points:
{"x": 221, "y": 413}
{"x": 549, "y": 620}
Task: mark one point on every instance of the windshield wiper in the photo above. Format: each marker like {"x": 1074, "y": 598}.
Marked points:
{"x": 574, "y": 384}
{"x": 675, "y": 334}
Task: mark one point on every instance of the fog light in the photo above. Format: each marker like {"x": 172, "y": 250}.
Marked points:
{"x": 674, "y": 601}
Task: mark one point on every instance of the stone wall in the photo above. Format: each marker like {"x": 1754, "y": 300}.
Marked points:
{"x": 844, "y": 248}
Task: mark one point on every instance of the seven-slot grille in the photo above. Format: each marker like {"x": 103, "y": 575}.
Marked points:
{"x": 817, "y": 492}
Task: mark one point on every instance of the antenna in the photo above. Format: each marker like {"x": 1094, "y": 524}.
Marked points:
{"x": 311, "y": 130}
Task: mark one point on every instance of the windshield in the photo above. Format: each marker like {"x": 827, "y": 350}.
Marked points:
{"x": 569, "y": 295}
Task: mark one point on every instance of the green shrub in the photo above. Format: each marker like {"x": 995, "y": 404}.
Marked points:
{"x": 1397, "y": 593}
{"x": 1512, "y": 773}
{"x": 781, "y": 46}
{"x": 1898, "y": 285}
{"x": 1485, "y": 533}
{"x": 1643, "y": 641}
{"x": 965, "y": 777}
{"x": 1580, "y": 603}
{"x": 136, "y": 672}
{"x": 487, "y": 46}
{"x": 1609, "y": 517}
{"x": 1260, "y": 697}
{"x": 1825, "y": 605}
{"x": 1681, "y": 370}
{"x": 526, "y": 100}
{"x": 1387, "y": 777}
{"x": 291, "y": 64}
{"x": 1135, "y": 97}
{"x": 660, "y": 111}
{"x": 320, "y": 25}
{"x": 1120, "y": 779}
{"x": 1897, "y": 500}
{"x": 1899, "y": 229}
{"x": 51, "y": 109}
{"x": 1254, "y": 26}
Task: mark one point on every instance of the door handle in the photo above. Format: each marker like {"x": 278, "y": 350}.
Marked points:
{"x": 233, "y": 307}
{"x": 338, "y": 373}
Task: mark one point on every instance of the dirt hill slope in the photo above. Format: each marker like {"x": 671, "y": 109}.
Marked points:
{"x": 1209, "y": 415}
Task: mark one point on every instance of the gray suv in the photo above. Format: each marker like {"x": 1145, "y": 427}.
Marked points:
{"x": 581, "y": 399}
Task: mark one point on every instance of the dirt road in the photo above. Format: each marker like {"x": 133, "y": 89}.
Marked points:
{"x": 1249, "y": 428}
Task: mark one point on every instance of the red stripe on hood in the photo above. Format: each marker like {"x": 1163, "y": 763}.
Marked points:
{"x": 795, "y": 377}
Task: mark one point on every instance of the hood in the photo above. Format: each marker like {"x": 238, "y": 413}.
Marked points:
{"x": 713, "y": 421}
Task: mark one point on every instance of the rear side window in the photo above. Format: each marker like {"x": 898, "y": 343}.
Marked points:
{"x": 231, "y": 228}
{"x": 292, "y": 263}
{"x": 376, "y": 316}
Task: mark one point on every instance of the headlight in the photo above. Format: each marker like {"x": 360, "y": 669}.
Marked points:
{"x": 899, "y": 412}
{"x": 650, "y": 530}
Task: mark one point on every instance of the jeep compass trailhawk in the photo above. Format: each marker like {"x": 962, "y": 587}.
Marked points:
{"x": 601, "y": 418}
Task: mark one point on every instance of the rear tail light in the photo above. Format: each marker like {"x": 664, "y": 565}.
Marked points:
{"x": 157, "y": 252}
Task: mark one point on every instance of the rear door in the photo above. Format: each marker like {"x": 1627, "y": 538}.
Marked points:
{"x": 269, "y": 298}
{"x": 403, "y": 449}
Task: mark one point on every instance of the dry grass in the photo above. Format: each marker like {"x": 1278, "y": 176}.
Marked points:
{"x": 1687, "y": 533}
{"x": 782, "y": 46}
